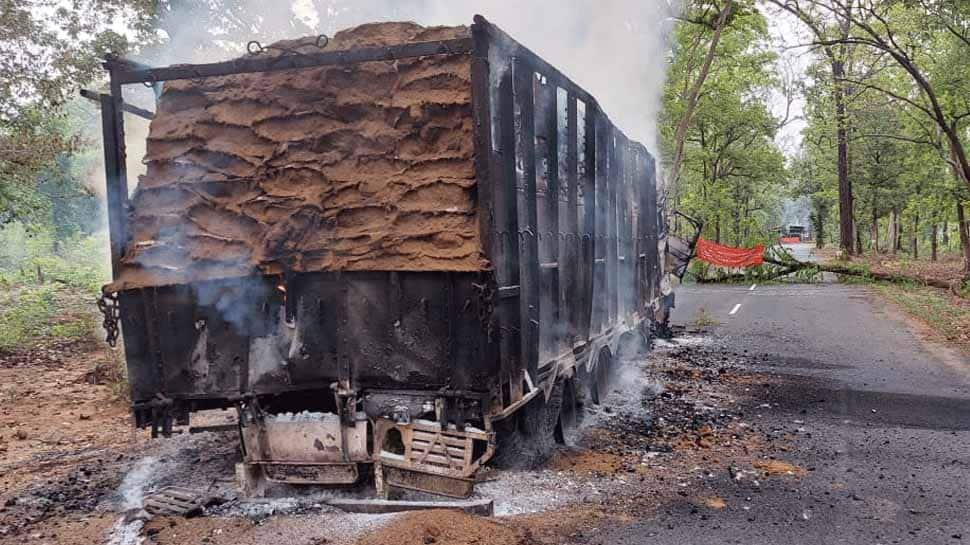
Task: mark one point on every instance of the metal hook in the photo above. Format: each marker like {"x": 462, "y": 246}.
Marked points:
{"x": 254, "y": 47}
{"x": 151, "y": 81}
{"x": 199, "y": 79}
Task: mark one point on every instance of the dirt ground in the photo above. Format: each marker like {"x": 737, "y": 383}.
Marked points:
{"x": 948, "y": 267}
{"x": 73, "y": 469}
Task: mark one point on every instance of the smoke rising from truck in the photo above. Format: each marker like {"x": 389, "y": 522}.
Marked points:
{"x": 616, "y": 49}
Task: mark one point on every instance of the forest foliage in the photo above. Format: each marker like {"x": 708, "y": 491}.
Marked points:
{"x": 885, "y": 116}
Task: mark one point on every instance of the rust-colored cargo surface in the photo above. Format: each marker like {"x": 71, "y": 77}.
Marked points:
{"x": 368, "y": 166}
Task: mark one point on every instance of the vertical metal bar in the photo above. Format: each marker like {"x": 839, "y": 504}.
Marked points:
{"x": 522, "y": 90}
{"x": 506, "y": 247}
{"x": 113, "y": 130}
{"x": 601, "y": 304}
{"x": 589, "y": 219}
{"x": 571, "y": 269}
{"x": 483, "y": 136}
{"x": 648, "y": 216}
{"x": 639, "y": 240}
{"x": 547, "y": 208}
{"x": 613, "y": 178}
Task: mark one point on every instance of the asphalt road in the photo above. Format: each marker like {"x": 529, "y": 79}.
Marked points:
{"x": 883, "y": 422}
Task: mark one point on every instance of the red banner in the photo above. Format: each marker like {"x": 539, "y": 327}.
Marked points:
{"x": 726, "y": 256}
{"x": 791, "y": 240}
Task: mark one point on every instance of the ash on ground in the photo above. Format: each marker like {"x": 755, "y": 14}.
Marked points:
{"x": 671, "y": 423}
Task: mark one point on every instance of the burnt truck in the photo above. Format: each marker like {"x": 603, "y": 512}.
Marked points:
{"x": 401, "y": 251}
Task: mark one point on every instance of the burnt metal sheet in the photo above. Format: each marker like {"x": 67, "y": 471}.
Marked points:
{"x": 570, "y": 250}
{"x": 125, "y": 74}
{"x": 587, "y": 191}
{"x": 311, "y": 473}
{"x": 113, "y": 135}
{"x": 523, "y": 77}
{"x": 547, "y": 217}
{"x": 612, "y": 180}
{"x": 409, "y": 479}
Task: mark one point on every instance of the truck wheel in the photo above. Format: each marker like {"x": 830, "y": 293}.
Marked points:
{"x": 570, "y": 413}
{"x": 602, "y": 375}
{"x": 526, "y": 439}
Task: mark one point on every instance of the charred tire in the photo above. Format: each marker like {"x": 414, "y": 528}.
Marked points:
{"x": 571, "y": 412}
{"x": 602, "y": 376}
{"x": 527, "y": 438}
{"x": 632, "y": 345}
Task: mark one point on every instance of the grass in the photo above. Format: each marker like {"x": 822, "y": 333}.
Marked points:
{"x": 48, "y": 287}
{"x": 947, "y": 315}
{"x": 703, "y": 319}
{"x": 35, "y": 314}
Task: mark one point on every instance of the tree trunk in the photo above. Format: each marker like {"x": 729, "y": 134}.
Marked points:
{"x": 915, "y": 238}
{"x": 946, "y": 236}
{"x": 964, "y": 228}
{"x": 788, "y": 267}
{"x": 737, "y": 229}
{"x": 681, "y": 135}
{"x": 842, "y": 136}
{"x": 717, "y": 229}
{"x": 892, "y": 231}
{"x": 874, "y": 232}
{"x": 858, "y": 238}
{"x": 899, "y": 233}
{"x": 933, "y": 242}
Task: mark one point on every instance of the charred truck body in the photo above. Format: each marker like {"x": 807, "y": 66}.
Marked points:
{"x": 407, "y": 250}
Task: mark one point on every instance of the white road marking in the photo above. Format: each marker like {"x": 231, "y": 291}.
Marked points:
{"x": 753, "y": 286}
{"x": 736, "y": 308}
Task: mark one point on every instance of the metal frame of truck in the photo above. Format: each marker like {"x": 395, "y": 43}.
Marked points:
{"x": 577, "y": 254}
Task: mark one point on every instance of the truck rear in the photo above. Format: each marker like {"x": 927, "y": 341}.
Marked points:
{"x": 400, "y": 251}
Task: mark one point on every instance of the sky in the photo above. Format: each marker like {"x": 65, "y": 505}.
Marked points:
{"x": 788, "y": 34}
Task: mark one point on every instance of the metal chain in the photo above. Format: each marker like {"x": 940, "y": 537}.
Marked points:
{"x": 108, "y": 305}
{"x": 256, "y": 48}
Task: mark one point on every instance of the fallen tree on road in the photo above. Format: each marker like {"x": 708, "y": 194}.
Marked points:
{"x": 779, "y": 263}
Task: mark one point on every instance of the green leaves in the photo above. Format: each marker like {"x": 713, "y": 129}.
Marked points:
{"x": 732, "y": 169}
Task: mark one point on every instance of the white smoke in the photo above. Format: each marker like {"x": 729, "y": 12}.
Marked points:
{"x": 615, "y": 49}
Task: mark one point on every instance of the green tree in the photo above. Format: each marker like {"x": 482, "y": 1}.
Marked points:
{"x": 732, "y": 171}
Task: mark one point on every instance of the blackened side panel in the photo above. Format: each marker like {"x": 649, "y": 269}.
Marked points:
{"x": 626, "y": 201}
{"x": 144, "y": 376}
{"x": 587, "y": 208}
{"x": 395, "y": 330}
{"x": 472, "y": 356}
{"x": 314, "y": 354}
{"x": 572, "y": 276}
{"x": 642, "y": 277}
{"x": 547, "y": 211}
{"x": 649, "y": 220}
{"x": 529, "y": 298}
{"x": 612, "y": 263}
{"x": 601, "y": 306}
{"x": 481, "y": 107}
{"x": 506, "y": 225}
{"x": 385, "y": 330}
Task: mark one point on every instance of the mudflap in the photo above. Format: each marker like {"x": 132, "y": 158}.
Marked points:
{"x": 415, "y": 479}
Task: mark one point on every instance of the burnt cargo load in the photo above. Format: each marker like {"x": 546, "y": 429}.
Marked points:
{"x": 404, "y": 249}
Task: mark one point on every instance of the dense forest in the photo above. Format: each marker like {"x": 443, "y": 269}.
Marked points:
{"x": 874, "y": 93}
{"x": 880, "y": 93}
